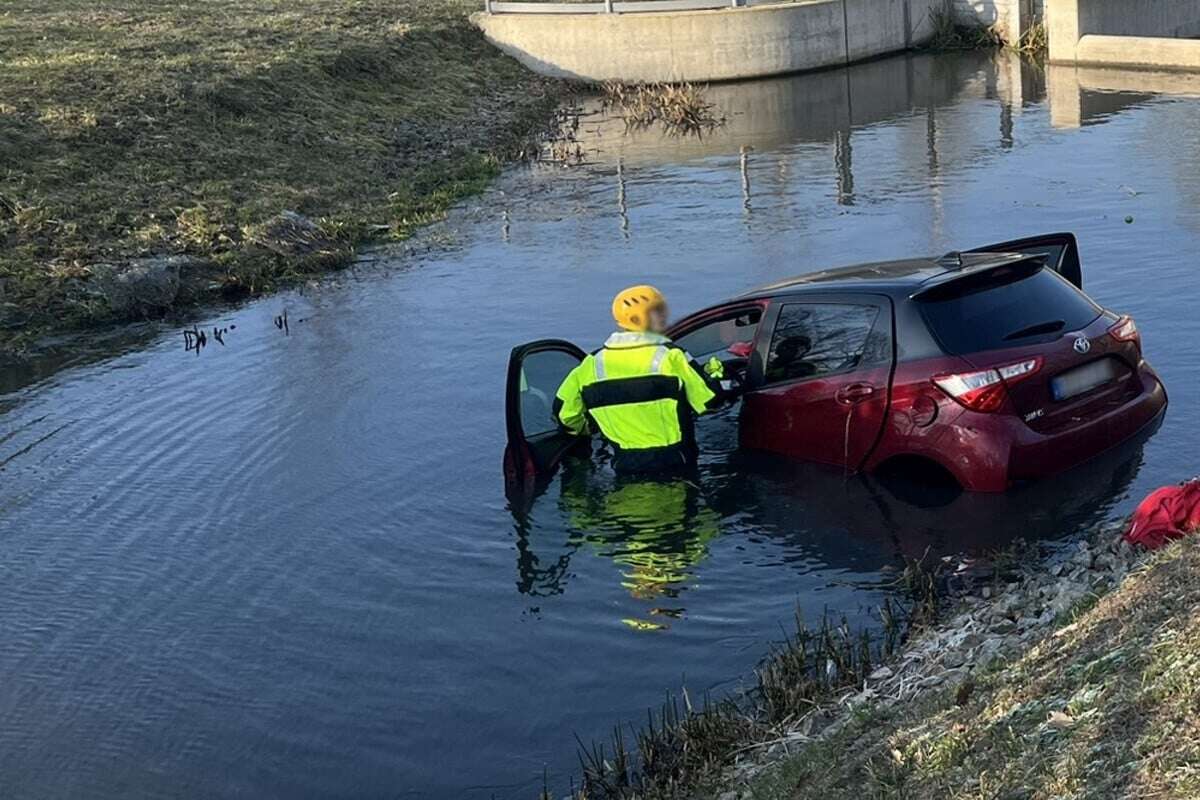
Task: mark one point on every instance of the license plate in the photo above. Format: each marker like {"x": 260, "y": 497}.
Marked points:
{"x": 1083, "y": 379}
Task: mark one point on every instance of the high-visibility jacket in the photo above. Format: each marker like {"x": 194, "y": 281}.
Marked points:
{"x": 640, "y": 392}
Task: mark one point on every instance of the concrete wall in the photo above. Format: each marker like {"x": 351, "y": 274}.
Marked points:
{"x": 715, "y": 45}
{"x": 1125, "y": 31}
{"x": 1169, "y": 18}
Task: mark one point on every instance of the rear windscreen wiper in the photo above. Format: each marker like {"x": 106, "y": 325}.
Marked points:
{"x": 1034, "y": 330}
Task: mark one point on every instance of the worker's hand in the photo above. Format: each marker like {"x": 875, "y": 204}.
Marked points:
{"x": 715, "y": 369}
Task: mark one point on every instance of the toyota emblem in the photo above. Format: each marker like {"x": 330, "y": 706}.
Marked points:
{"x": 1082, "y": 345}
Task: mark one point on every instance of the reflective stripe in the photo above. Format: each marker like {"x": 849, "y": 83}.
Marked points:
{"x": 656, "y": 363}
{"x": 634, "y": 339}
{"x": 598, "y": 359}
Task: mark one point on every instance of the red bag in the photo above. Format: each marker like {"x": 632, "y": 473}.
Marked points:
{"x": 1167, "y": 513}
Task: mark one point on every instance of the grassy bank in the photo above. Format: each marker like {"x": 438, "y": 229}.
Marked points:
{"x": 135, "y": 128}
{"x": 1059, "y": 672}
{"x": 1104, "y": 705}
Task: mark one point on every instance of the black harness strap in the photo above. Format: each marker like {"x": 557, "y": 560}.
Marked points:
{"x": 622, "y": 391}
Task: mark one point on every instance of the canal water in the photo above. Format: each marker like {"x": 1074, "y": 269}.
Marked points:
{"x": 283, "y": 565}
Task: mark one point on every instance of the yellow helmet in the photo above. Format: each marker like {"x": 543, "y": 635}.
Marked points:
{"x": 631, "y": 307}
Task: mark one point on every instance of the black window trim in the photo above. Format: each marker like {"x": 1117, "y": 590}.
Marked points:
{"x": 720, "y": 314}
{"x": 886, "y": 317}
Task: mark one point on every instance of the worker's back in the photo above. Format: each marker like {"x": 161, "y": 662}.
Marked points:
{"x": 640, "y": 392}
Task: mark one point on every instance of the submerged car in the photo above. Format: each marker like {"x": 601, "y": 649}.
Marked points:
{"x": 989, "y": 366}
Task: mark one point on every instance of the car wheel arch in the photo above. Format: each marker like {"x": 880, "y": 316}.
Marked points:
{"x": 925, "y": 464}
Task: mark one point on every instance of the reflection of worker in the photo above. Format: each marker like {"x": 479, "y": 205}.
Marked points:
{"x": 656, "y": 531}
{"x": 640, "y": 391}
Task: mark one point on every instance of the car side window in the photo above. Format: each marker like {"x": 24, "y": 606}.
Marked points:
{"x": 813, "y": 339}
{"x": 715, "y": 338}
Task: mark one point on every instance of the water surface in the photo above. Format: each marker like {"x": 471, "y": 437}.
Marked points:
{"x": 283, "y": 566}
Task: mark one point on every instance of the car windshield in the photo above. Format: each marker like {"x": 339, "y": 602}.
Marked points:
{"x": 1004, "y": 308}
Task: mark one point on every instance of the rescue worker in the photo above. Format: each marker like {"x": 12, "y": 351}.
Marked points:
{"x": 640, "y": 391}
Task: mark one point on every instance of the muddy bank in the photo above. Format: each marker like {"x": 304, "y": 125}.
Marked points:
{"x": 177, "y": 156}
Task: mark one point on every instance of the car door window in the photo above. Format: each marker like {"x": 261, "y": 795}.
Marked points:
{"x": 541, "y": 375}
{"x": 813, "y": 339}
{"x": 715, "y": 338}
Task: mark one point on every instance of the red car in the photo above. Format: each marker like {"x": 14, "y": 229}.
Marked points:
{"x": 989, "y": 366}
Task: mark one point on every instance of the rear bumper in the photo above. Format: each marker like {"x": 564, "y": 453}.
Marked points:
{"x": 990, "y": 452}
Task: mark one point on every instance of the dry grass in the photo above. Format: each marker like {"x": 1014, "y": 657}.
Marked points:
{"x": 683, "y": 751}
{"x": 137, "y": 127}
{"x": 680, "y": 108}
{"x": 949, "y": 35}
{"x": 1033, "y": 43}
{"x": 1106, "y": 707}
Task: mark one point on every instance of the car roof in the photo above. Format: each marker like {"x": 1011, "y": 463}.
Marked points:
{"x": 899, "y": 278}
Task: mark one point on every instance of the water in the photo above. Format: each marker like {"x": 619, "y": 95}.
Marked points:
{"x": 284, "y": 566}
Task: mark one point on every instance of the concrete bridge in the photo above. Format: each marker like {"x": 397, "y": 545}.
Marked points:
{"x": 717, "y": 40}
{"x": 701, "y": 40}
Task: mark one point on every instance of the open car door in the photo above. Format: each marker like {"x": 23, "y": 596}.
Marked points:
{"x": 536, "y": 442}
{"x": 1060, "y": 249}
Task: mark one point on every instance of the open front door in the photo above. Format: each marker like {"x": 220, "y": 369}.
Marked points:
{"x": 1060, "y": 249}
{"x": 536, "y": 442}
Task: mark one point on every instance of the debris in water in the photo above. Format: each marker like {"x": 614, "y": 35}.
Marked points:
{"x": 195, "y": 339}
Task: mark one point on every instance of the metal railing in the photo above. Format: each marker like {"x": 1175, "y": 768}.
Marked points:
{"x": 618, "y": 6}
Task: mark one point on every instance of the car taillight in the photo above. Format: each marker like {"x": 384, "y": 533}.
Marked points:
{"x": 1126, "y": 330}
{"x": 984, "y": 390}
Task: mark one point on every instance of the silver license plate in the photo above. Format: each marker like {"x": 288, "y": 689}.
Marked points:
{"x": 1083, "y": 379}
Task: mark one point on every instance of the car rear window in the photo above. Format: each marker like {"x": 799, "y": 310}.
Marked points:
{"x": 1007, "y": 307}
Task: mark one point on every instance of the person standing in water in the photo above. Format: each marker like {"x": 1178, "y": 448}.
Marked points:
{"x": 640, "y": 391}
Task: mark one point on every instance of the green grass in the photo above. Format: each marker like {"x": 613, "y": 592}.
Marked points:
{"x": 1107, "y": 706}
{"x": 138, "y": 127}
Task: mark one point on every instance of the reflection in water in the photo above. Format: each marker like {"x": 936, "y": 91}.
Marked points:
{"x": 655, "y": 530}
{"x": 1082, "y": 96}
{"x": 622, "y": 208}
{"x": 659, "y": 532}
{"x": 744, "y": 162}
{"x": 905, "y": 519}
{"x": 843, "y": 158}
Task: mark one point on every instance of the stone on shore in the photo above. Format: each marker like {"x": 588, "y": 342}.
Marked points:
{"x": 143, "y": 285}
{"x": 292, "y": 235}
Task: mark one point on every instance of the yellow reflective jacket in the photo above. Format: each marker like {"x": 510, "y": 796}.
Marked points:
{"x": 640, "y": 392}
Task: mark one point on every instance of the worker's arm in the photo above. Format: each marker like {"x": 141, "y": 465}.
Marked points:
{"x": 568, "y": 401}
{"x": 701, "y": 394}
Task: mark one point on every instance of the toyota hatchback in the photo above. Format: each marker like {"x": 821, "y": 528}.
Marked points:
{"x": 990, "y": 366}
